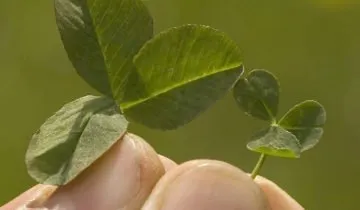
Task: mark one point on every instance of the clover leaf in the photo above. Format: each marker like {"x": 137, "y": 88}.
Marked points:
{"x": 300, "y": 129}
{"x": 162, "y": 81}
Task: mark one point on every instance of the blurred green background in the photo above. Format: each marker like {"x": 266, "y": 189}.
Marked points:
{"x": 313, "y": 46}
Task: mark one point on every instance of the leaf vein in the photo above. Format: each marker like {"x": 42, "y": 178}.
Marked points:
{"x": 128, "y": 105}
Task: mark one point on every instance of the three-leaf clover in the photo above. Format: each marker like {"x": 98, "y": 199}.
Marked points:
{"x": 162, "y": 81}
{"x": 300, "y": 129}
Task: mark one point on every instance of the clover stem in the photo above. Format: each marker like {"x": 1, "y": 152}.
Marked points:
{"x": 258, "y": 166}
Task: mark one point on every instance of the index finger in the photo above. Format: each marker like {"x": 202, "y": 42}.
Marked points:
{"x": 277, "y": 198}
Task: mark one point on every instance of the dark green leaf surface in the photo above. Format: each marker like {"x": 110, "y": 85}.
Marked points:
{"x": 73, "y": 138}
{"x": 101, "y": 38}
{"x": 258, "y": 94}
{"x": 305, "y": 120}
{"x": 183, "y": 70}
{"x": 275, "y": 141}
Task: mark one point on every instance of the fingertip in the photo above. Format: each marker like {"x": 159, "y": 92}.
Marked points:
{"x": 167, "y": 163}
{"x": 277, "y": 197}
{"x": 33, "y": 196}
{"x": 206, "y": 185}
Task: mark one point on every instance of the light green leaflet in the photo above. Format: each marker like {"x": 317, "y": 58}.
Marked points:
{"x": 101, "y": 37}
{"x": 275, "y": 141}
{"x": 73, "y": 138}
{"x": 183, "y": 70}
{"x": 299, "y": 130}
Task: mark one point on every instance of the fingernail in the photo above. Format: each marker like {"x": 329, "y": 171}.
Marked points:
{"x": 207, "y": 185}
{"x": 110, "y": 183}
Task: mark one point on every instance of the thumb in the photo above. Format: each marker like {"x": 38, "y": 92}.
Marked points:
{"x": 37, "y": 194}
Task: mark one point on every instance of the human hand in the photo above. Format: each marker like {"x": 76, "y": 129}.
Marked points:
{"x": 131, "y": 176}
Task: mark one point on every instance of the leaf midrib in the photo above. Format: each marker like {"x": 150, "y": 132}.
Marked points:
{"x": 129, "y": 105}
{"x": 69, "y": 163}
{"x": 272, "y": 116}
{"x": 96, "y": 39}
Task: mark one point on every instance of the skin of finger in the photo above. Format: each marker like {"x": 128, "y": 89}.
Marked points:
{"x": 37, "y": 193}
{"x": 167, "y": 163}
{"x": 278, "y": 198}
{"x": 206, "y": 185}
{"x": 121, "y": 179}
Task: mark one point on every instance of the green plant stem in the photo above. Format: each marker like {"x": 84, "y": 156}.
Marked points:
{"x": 258, "y": 166}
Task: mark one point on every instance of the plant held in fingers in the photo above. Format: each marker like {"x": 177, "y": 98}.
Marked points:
{"x": 162, "y": 81}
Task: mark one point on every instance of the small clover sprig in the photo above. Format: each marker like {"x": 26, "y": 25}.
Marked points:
{"x": 298, "y": 130}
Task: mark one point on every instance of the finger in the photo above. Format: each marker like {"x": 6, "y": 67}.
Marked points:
{"x": 206, "y": 185}
{"x": 121, "y": 179}
{"x": 167, "y": 163}
{"x": 37, "y": 193}
{"x": 277, "y": 198}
